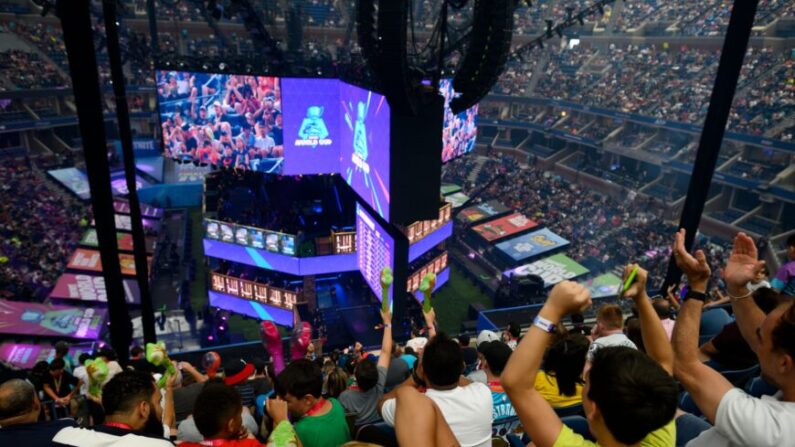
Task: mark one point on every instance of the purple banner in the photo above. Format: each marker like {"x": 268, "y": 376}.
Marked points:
{"x": 364, "y": 153}
{"x": 91, "y": 288}
{"x": 47, "y": 320}
{"x": 311, "y": 125}
{"x": 272, "y": 261}
{"x": 251, "y": 308}
{"x": 26, "y": 355}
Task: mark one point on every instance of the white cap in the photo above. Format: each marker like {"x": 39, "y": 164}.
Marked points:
{"x": 487, "y": 335}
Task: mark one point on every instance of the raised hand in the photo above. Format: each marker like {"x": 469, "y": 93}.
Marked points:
{"x": 695, "y": 267}
{"x": 277, "y": 409}
{"x": 638, "y": 287}
{"x": 568, "y": 297}
{"x": 386, "y": 316}
{"x": 743, "y": 265}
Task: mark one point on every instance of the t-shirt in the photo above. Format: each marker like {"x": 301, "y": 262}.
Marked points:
{"x": 38, "y": 433}
{"x": 104, "y": 436}
{"x": 81, "y": 373}
{"x": 409, "y": 359}
{"x": 325, "y": 430}
{"x": 365, "y": 404}
{"x": 226, "y": 443}
{"x": 478, "y": 376}
{"x": 743, "y": 420}
{"x": 185, "y": 398}
{"x": 187, "y": 430}
{"x": 468, "y": 411}
{"x": 663, "y": 437}
{"x": 247, "y": 394}
{"x": 504, "y": 415}
{"x": 785, "y": 279}
{"x": 733, "y": 350}
{"x": 397, "y": 373}
{"x": 63, "y": 386}
{"x": 470, "y": 355}
{"x": 548, "y": 387}
{"x": 617, "y": 339}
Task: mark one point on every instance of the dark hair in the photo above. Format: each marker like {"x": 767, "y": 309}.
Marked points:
{"x": 464, "y": 340}
{"x": 768, "y": 299}
{"x": 216, "y": 404}
{"x": 442, "y": 360}
{"x": 662, "y": 308}
{"x": 791, "y": 240}
{"x": 61, "y": 348}
{"x": 633, "y": 392}
{"x": 784, "y": 333}
{"x": 108, "y": 353}
{"x": 366, "y": 374}
{"x": 577, "y": 318}
{"x": 126, "y": 390}
{"x": 610, "y": 316}
{"x": 83, "y": 358}
{"x": 16, "y": 398}
{"x": 300, "y": 378}
{"x": 565, "y": 360}
{"x": 633, "y": 332}
{"x": 136, "y": 350}
{"x": 56, "y": 364}
{"x": 514, "y": 329}
{"x": 408, "y": 350}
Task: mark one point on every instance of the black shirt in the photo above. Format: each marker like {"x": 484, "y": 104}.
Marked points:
{"x": 184, "y": 400}
{"x": 62, "y": 386}
{"x": 36, "y": 434}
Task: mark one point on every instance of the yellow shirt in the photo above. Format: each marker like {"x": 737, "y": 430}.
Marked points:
{"x": 662, "y": 437}
{"x": 548, "y": 387}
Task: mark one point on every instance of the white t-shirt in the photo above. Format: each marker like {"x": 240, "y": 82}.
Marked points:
{"x": 617, "y": 339}
{"x": 467, "y": 410}
{"x": 81, "y": 373}
{"x": 743, "y": 420}
{"x": 81, "y": 437}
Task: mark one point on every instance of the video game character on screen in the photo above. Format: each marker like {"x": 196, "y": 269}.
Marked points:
{"x": 224, "y": 120}
{"x": 360, "y": 137}
{"x": 313, "y": 131}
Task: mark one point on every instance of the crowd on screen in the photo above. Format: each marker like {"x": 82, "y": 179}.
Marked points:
{"x": 228, "y": 121}
{"x": 39, "y": 229}
{"x": 554, "y": 380}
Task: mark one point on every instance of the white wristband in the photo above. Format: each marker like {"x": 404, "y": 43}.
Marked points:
{"x": 544, "y": 324}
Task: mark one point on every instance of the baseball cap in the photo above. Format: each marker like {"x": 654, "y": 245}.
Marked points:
{"x": 485, "y": 336}
{"x": 496, "y": 354}
{"x": 237, "y": 371}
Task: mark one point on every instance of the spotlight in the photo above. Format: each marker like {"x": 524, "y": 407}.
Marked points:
{"x": 222, "y": 66}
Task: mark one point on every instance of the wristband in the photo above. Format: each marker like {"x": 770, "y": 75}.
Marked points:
{"x": 693, "y": 295}
{"x": 545, "y": 325}
{"x": 387, "y": 326}
{"x": 734, "y": 299}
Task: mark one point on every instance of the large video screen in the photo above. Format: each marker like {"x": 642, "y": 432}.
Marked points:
{"x": 74, "y": 180}
{"x": 224, "y": 120}
{"x": 532, "y": 244}
{"x": 311, "y": 125}
{"x": 250, "y": 237}
{"x": 504, "y": 227}
{"x": 375, "y": 249}
{"x": 364, "y": 150}
{"x": 460, "y": 130}
{"x": 47, "y": 320}
{"x": 553, "y": 269}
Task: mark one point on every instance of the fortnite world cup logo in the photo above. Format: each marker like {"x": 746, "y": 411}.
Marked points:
{"x": 360, "y": 152}
{"x": 313, "y": 131}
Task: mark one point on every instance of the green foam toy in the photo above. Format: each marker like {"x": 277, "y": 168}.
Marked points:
{"x": 386, "y": 283}
{"x": 426, "y": 287}
{"x": 97, "y": 373}
{"x": 156, "y": 354}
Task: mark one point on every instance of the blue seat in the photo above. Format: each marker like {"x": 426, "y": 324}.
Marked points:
{"x": 579, "y": 425}
{"x": 757, "y": 387}
{"x": 571, "y": 410}
{"x": 688, "y": 427}
{"x": 739, "y": 377}
{"x": 687, "y": 404}
{"x": 514, "y": 440}
{"x": 712, "y": 322}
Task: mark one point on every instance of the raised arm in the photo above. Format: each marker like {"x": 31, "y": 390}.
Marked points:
{"x": 654, "y": 337}
{"x": 386, "y": 343}
{"x": 705, "y": 385}
{"x": 538, "y": 418}
{"x": 430, "y": 321}
{"x": 741, "y": 268}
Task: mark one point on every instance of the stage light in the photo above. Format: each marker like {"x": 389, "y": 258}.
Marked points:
{"x": 222, "y": 66}
{"x": 210, "y": 338}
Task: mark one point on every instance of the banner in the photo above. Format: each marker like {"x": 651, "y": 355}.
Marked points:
{"x": 457, "y": 199}
{"x": 482, "y": 212}
{"x": 124, "y": 223}
{"x": 26, "y": 355}
{"x": 603, "y": 285}
{"x": 532, "y": 244}
{"x": 553, "y": 270}
{"x": 251, "y": 290}
{"x": 74, "y": 180}
{"x": 123, "y": 207}
{"x": 48, "y": 320}
{"x": 88, "y": 260}
{"x": 249, "y": 236}
{"x": 124, "y": 241}
{"x": 91, "y": 288}
{"x": 449, "y": 188}
{"x": 504, "y": 227}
